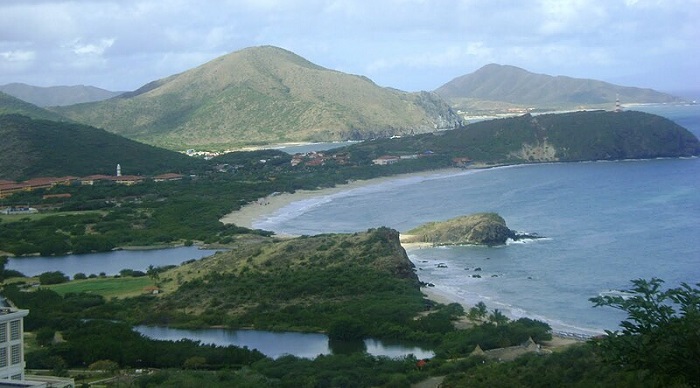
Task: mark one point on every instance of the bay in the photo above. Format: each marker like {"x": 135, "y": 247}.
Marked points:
{"x": 606, "y": 223}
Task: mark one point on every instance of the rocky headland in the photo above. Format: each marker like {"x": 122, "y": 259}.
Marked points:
{"x": 475, "y": 229}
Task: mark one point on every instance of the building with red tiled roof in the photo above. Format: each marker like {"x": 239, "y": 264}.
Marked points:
{"x": 167, "y": 177}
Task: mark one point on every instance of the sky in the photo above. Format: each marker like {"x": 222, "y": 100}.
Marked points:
{"x": 410, "y": 45}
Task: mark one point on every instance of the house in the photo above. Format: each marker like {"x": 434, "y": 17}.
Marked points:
{"x": 91, "y": 179}
{"x": 8, "y": 188}
{"x": 51, "y": 196}
{"x": 461, "y": 161}
{"x": 19, "y": 210}
{"x": 314, "y": 162}
{"x": 386, "y": 160}
{"x": 127, "y": 179}
{"x": 167, "y": 177}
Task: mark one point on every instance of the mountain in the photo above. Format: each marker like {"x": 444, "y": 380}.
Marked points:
{"x": 13, "y": 105}
{"x": 35, "y": 148}
{"x": 513, "y": 86}
{"x": 57, "y": 95}
{"x": 263, "y": 95}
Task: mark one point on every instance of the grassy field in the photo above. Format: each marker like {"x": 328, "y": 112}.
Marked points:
{"x": 38, "y": 216}
{"x": 107, "y": 287}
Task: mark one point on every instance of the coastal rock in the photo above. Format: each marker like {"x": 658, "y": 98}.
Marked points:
{"x": 476, "y": 229}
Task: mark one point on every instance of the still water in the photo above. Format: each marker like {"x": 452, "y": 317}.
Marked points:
{"x": 277, "y": 344}
{"x": 108, "y": 262}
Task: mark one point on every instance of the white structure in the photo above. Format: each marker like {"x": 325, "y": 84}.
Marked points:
{"x": 12, "y": 343}
{"x": 12, "y": 353}
{"x": 119, "y": 169}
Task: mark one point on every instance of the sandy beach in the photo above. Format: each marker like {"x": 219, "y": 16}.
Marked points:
{"x": 270, "y": 204}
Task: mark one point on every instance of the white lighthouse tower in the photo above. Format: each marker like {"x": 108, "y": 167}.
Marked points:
{"x": 119, "y": 170}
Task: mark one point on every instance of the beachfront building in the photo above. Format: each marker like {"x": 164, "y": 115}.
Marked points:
{"x": 386, "y": 160}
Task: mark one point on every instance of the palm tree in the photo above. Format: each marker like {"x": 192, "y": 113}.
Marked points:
{"x": 498, "y": 318}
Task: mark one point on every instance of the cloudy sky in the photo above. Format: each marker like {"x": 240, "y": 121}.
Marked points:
{"x": 406, "y": 44}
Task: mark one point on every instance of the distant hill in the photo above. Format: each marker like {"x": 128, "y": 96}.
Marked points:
{"x": 511, "y": 85}
{"x": 13, "y": 105}
{"x": 34, "y": 148}
{"x": 263, "y": 95}
{"x": 57, "y": 95}
{"x": 563, "y": 137}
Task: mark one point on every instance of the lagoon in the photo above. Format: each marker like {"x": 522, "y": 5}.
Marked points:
{"x": 108, "y": 262}
{"x": 278, "y": 344}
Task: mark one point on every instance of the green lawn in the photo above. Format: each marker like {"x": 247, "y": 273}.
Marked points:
{"x": 107, "y": 287}
{"x": 38, "y": 216}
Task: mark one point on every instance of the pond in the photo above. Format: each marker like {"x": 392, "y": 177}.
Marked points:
{"x": 108, "y": 262}
{"x": 277, "y": 344}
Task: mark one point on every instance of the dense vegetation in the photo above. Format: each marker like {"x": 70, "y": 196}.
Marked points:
{"x": 33, "y": 148}
{"x": 351, "y": 286}
{"x": 577, "y": 136}
{"x": 13, "y": 105}
{"x": 656, "y": 347}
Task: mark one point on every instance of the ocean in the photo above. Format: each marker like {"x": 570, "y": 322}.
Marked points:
{"x": 604, "y": 223}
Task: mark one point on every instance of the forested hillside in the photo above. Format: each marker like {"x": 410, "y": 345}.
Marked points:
{"x": 577, "y": 136}
{"x": 35, "y": 148}
{"x": 13, "y": 105}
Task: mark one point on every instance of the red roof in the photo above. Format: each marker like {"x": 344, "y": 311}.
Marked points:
{"x": 168, "y": 176}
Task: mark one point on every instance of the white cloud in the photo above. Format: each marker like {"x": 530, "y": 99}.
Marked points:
{"x": 18, "y": 56}
{"x": 95, "y": 49}
{"x": 398, "y": 43}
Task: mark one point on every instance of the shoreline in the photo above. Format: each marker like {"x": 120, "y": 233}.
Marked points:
{"x": 251, "y": 212}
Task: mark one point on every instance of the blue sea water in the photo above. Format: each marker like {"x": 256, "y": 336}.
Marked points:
{"x": 605, "y": 223}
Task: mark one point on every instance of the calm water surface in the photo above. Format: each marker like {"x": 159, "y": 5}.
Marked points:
{"x": 108, "y": 262}
{"x": 277, "y": 344}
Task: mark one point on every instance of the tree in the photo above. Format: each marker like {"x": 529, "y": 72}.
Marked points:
{"x": 195, "y": 362}
{"x": 52, "y": 277}
{"x": 104, "y": 365}
{"x": 498, "y": 318}
{"x": 478, "y": 311}
{"x": 3, "y": 263}
{"x": 45, "y": 336}
{"x": 660, "y": 335}
{"x": 153, "y": 273}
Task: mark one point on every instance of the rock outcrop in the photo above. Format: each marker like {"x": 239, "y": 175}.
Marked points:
{"x": 476, "y": 229}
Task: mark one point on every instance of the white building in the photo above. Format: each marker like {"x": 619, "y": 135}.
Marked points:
{"x": 12, "y": 343}
{"x": 12, "y": 353}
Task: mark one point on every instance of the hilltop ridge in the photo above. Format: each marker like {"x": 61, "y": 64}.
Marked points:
{"x": 263, "y": 95}
{"x": 57, "y": 95}
{"x": 512, "y": 86}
